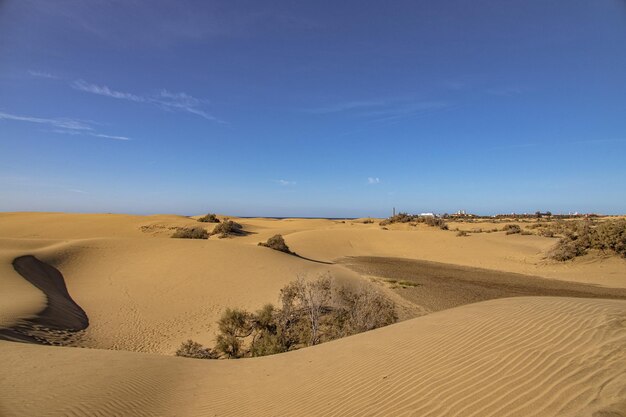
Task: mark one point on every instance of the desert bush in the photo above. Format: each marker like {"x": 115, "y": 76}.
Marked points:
{"x": 435, "y": 222}
{"x": 461, "y": 233}
{"x": 361, "y": 310}
{"x": 512, "y": 229}
{"x": 277, "y": 242}
{"x": 368, "y": 221}
{"x": 310, "y": 297}
{"x": 413, "y": 219}
{"x": 234, "y": 326}
{"x": 580, "y": 236}
{"x": 191, "y": 233}
{"x": 311, "y": 312}
{"x": 191, "y": 349}
{"x": 209, "y": 218}
{"x": 227, "y": 228}
{"x": 545, "y": 232}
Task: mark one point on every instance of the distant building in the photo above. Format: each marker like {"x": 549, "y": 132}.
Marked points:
{"x": 427, "y": 214}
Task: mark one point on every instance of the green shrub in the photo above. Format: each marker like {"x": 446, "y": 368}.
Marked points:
{"x": 191, "y": 233}
{"x": 234, "y": 325}
{"x": 209, "y": 218}
{"x": 277, "y": 242}
{"x": 191, "y": 349}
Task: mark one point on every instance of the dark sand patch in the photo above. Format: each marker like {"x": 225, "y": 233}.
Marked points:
{"x": 439, "y": 286}
{"x": 62, "y": 318}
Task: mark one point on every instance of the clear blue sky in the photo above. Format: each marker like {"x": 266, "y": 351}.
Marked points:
{"x": 320, "y": 108}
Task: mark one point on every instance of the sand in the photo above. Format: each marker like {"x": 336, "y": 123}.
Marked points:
{"x": 145, "y": 293}
{"x": 536, "y": 356}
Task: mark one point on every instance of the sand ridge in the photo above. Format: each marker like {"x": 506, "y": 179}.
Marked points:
{"x": 527, "y": 356}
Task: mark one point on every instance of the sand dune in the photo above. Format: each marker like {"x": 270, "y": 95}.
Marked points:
{"x": 145, "y": 293}
{"x": 537, "y": 356}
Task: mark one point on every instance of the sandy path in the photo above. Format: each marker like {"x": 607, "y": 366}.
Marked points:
{"x": 439, "y": 286}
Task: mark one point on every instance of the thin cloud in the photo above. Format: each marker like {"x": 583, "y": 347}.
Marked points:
{"x": 42, "y": 74}
{"x": 100, "y": 135}
{"x": 347, "y": 106}
{"x": 62, "y": 125}
{"x": 373, "y": 180}
{"x": 165, "y": 100}
{"x": 82, "y": 85}
{"x": 285, "y": 183}
{"x": 381, "y": 110}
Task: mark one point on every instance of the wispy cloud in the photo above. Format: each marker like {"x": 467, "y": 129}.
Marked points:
{"x": 82, "y": 85}
{"x": 382, "y": 109}
{"x": 346, "y": 106}
{"x": 43, "y": 74}
{"x": 62, "y": 125}
{"x": 373, "y": 180}
{"x": 285, "y": 183}
{"x": 165, "y": 99}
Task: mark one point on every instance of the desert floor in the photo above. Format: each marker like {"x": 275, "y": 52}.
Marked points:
{"x": 491, "y": 326}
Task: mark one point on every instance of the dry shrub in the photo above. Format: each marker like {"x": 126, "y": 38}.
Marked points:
{"x": 227, "y": 228}
{"x": 191, "y": 233}
{"x": 512, "y": 229}
{"x": 413, "y": 219}
{"x": 277, "y": 242}
{"x": 580, "y": 236}
{"x": 461, "y": 233}
{"x": 209, "y": 218}
{"x": 311, "y": 312}
{"x": 191, "y": 349}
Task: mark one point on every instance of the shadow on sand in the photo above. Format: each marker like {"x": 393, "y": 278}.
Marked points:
{"x": 61, "y": 320}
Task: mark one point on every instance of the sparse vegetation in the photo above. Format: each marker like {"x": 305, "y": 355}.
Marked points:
{"x": 191, "y": 349}
{"x": 512, "y": 229}
{"x": 277, "y": 242}
{"x": 413, "y": 219}
{"x": 311, "y": 312}
{"x": 580, "y": 236}
{"x": 209, "y": 218}
{"x": 191, "y": 233}
{"x": 462, "y": 233}
{"x": 227, "y": 228}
